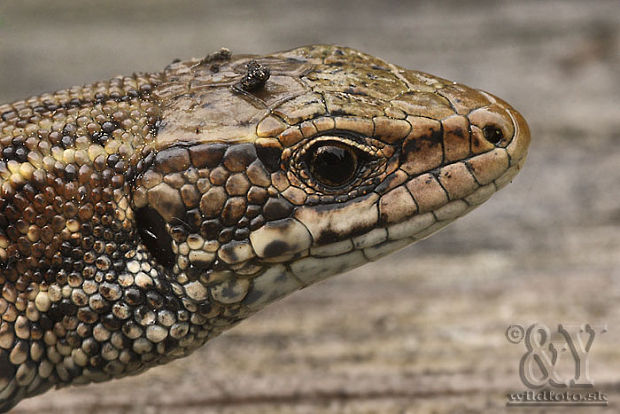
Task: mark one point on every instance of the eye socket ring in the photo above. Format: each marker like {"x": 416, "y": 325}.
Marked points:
{"x": 337, "y": 163}
{"x": 332, "y": 163}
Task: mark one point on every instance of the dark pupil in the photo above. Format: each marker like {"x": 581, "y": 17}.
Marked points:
{"x": 333, "y": 165}
{"x": 492, "y": 134}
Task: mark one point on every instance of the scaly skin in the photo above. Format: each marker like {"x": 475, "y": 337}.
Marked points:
{"x": 142, "y": 216}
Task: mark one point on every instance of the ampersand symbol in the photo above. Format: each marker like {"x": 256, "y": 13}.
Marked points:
{"x": 541, "y": 354}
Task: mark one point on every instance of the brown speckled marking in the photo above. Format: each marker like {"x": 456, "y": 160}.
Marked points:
{"x": 142, "y": 216}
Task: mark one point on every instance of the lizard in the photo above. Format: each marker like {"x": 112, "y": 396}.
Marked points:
{"x": 144, "y": 215}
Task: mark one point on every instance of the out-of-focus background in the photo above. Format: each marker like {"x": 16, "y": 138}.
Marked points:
{"x": 423, "y": 330}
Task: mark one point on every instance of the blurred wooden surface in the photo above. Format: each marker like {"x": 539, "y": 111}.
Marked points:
{"x": 423, "y": 330}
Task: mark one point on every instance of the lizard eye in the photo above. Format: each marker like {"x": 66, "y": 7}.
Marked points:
{"x": 339, "y": 164}
{"x": 332, "y": 164}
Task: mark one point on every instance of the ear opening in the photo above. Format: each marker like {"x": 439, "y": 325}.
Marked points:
{"x": 152, "y": 229}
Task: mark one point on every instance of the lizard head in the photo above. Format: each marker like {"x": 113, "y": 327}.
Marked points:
{"x": 331, "y": 159}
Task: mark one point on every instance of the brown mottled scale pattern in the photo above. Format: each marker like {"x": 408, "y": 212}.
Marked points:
{"x": 142, "y": 216}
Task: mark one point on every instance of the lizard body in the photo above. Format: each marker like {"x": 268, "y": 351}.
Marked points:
{"x": 142, "y": 216}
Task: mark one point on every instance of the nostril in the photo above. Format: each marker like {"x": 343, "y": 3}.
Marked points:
{"x": 493, "y": 134}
